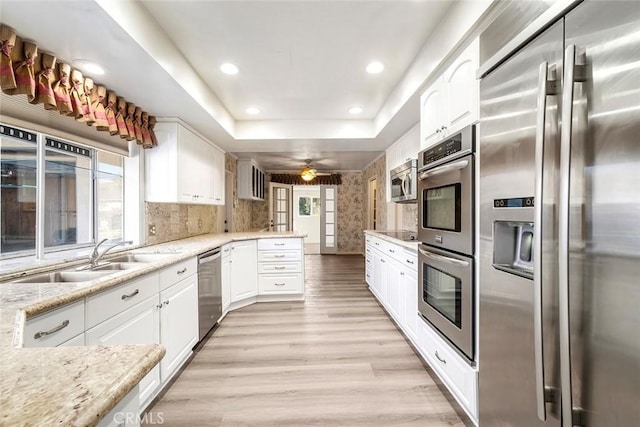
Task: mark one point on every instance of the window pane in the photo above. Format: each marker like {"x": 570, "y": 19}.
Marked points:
{"x": 18, "y": 195}
{"x": 67, "y": 215}
{"x": 110, "y": 194}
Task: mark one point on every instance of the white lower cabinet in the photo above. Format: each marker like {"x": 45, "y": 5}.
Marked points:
{"x": 393, "y": 279}
{"x": 178, "y": 324}
{"x": 395, "y": 290}
{"x": 137, "y": 325}
{"x": 125, "y": 414}
{"x": 244, "y": 270}
{"x": 77, "y": 341}
{"x": 410, "y": 307}
{"x": 281, "y": 267}
{"x": 460, "y": 378}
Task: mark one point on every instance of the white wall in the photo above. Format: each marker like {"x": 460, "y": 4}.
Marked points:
{"x": 306, "y": 224}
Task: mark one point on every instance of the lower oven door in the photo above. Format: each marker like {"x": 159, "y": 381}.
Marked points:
{"x": 445, "y": 299}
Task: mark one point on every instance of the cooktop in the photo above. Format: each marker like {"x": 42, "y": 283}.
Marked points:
{"x": 407, "y": 236}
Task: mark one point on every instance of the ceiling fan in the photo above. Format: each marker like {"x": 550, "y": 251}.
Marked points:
{"x": 308, "y": 172}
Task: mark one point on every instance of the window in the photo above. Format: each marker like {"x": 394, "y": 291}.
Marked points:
{"x": 308, "y": 206}
{"x": 81, "y": 199}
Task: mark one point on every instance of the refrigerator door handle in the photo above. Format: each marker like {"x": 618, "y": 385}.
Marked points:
{"x": 547, "y": 86}
{"x": 572, "y": 74}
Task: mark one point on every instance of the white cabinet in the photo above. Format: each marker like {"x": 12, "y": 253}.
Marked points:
{"x": 226, "y": 277}
{"x": 125, "y": 414}
{"x": 379, "y": 275}
{"x": 55, "y": 327}
{"x": 394, "y": 299}
{"x": 460, "y": 378}
{"x": 77, "y": 341}
{"x": 183, "y": 168}
{"x": 280, "y": 267}
{"x": 410, "y": 309}
{"x": 137, "y": 325}
{"x": 178, "y": 324}
{"x": 251, "y": 180}
{"x": 244, "y": 270}
{"x": 452, "y": 101}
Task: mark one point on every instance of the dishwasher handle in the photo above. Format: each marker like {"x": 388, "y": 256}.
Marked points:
{"x": 209, "y": 256}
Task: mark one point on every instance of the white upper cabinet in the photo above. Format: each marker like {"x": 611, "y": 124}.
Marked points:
{"x": 251, "y": 180}
{"x": 452, "y": 101}
{"x": 183, "y": 168}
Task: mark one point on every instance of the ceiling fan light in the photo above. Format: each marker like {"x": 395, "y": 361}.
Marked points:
{"x": 308, "y": 174}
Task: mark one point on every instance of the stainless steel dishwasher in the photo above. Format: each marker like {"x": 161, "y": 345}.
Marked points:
{"x": 209, "y": 290}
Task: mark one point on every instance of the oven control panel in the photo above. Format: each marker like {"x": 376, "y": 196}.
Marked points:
{"x": 442, "y": 150}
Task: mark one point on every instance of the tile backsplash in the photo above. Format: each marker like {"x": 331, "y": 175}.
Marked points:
{"x": 178, "y": 221}
{"x": 410, "y": 217}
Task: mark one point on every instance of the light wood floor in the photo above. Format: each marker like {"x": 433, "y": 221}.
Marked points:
{"x": 335, "y": 359}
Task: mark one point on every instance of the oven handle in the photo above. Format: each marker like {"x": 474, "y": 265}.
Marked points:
{"x": 444, "y": 169}
{"x": 444, "y": 258}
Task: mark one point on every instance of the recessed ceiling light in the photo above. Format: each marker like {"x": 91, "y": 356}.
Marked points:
{"x": 253, "y": 110}
{"x": 355, "y": 110}
{"x": 229, "y": 68}
{"x": 88, "y": 67}
{"x": 375, "y": 67}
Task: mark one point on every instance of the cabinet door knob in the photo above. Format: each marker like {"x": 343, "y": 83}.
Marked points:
{"x": 166, "y": 302}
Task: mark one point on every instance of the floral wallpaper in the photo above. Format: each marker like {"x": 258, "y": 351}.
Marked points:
{"x": 375, "y": 170}
{"x": 410, "y": 217}
{"x": 175, "y": 221}
{"x": 349, "y": 212}
{"x": 241, "y": 212}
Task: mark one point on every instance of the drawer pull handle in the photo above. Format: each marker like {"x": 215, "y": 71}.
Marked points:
{"x": 166, "y": 302}
{"x": 280, "y": 268}
{"x": 131, "y": 295}
{"x": 410, "y": 262}
{"x": 382, "y": 260}
{"x": 392, "y": 251}
{"x": 279, "y": 284}
{"x": 41, "y": 334}
{"x": 159, "y": 306}
{"x": 368, "y": 276}
{"x": 402, "y": 273}
{"x": 377, "y": 244}
{"x": 279, "y": 256}
{"x": 440, "y": 359}
{"x": 279, "y": 244}
{"x": 184, "y": 270}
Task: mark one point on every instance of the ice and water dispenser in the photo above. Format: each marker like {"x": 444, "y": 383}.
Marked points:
{"x": 513, "y": 239}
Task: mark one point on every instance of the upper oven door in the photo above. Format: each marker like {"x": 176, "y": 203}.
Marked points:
{"x": 445, "y": 299}
{"x": 446, "y": 201}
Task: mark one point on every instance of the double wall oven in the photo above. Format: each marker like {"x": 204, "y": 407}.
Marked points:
{"x": 446, "y": 218}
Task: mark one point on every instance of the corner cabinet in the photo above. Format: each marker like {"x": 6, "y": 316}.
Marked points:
{"x": 183, "y": 168}
{"x": 452, "y": 101}
{"x": 251, "y": 180}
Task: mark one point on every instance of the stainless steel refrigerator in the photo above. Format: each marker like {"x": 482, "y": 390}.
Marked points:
{"x": 559, "y": 159}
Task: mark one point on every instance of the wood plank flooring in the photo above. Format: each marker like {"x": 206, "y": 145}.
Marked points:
{"x": 334, "y": 359}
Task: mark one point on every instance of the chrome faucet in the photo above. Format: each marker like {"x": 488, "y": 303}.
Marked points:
{"x": 96, "y": 256}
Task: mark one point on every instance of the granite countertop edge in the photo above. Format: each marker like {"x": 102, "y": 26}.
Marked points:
{"x": 412, "y": 245}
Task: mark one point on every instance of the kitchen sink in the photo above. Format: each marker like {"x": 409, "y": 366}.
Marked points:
{"x": 64, "y": 276}
{"x": 129, "y": 258}
{"x": 116, "y": 266}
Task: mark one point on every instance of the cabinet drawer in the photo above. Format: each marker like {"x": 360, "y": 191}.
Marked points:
{"x": 177, "y": 272}
{"x": 107, "y": 304}
{"x": 409, "y": 260}
{"x": 457, "y": 374}
{"x": 279, "y": 244}
{"x": 279, "y": 284}
{"x": 55, "y": 327}
{"x": 276, "y": 268}
{"x": 279, "y": 256}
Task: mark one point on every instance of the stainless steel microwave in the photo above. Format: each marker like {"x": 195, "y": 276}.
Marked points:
{"x": 402, "y": 182}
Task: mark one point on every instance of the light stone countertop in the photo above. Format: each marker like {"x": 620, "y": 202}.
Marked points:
{"x": 410, "y": 245}
{"x": 78, "y": 385}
